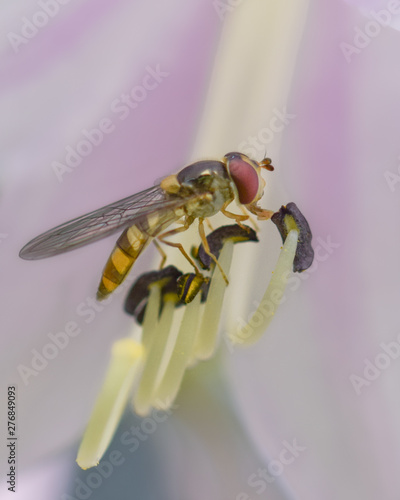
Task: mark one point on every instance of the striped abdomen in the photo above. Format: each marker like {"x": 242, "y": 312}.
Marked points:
{"x": 130, "y": 245}
{"x": 127, "y": 249}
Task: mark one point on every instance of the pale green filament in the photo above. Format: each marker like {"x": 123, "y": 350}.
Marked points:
{"x": 126, "y": 361}
{"x": 249, "y": 333}
{"x": 207, "y": 336}
{"x": 154, "y": 366}
{"x": 150, "y": 319}
{"x": 181, "y": 355}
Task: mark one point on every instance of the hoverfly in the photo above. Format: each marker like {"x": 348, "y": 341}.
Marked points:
{"x": 198, "y": 191}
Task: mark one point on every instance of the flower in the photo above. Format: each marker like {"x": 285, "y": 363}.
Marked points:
{"x": 336, "y": 159}
{"x": 166, "y": 348}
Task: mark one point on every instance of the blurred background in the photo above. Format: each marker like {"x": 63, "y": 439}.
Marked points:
{"x": 98, "y": 101}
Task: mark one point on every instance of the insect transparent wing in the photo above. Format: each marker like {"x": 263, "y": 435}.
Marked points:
{"x": 103, "y": 222}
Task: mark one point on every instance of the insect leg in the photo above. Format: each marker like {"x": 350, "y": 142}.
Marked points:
{"x": 208, "y": 251}
{"x": 163, "y": 254}
{"x": 209, "y": 224}
{"x": 237, "y": 217}
{"x": 251, "y": 219}
{"x": 161, "y": 237}
{"x": 261, "y": 213}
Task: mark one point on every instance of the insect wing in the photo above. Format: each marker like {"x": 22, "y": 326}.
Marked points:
{"x": 104, "y": 222}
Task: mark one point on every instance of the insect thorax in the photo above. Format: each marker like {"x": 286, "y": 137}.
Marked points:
{"x": 209, "y": 180}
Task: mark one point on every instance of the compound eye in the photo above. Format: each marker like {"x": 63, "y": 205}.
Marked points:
{"x": 245, "y": 176}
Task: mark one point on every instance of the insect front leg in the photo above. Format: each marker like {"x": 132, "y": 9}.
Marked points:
{"x": 236, "y": 217}
{"x": 260, "y": 213}
{"x": 251, "y": 219}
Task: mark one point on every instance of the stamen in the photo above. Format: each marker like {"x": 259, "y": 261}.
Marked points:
{"x": 208, "y": 332}
{"x": 126, "y": 361}
{"x": 289, "y": 217}
{"x": 150, "y": 319}
{"x": 268, "y": 306}
{"x": 173, "y": 341}
{"x": 155, "y": 363}
{"x": 181, "y": 355}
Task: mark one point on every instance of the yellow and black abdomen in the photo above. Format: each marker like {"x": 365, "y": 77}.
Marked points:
{"x": 130, "y": 245}
{"x": 127, "y": 249}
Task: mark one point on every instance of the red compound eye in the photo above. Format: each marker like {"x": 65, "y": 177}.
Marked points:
{"x": 245, "y": 177}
